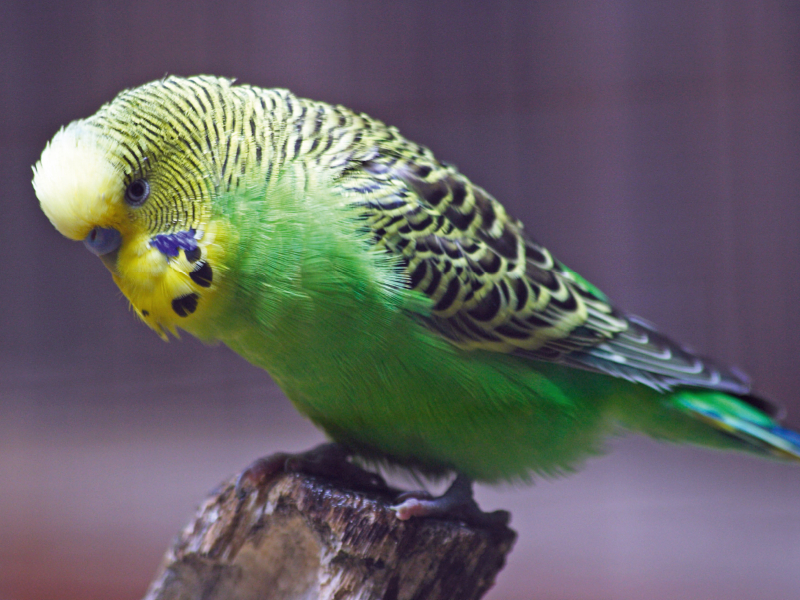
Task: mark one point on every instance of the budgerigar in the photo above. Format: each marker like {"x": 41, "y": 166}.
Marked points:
{"x": 395, "y": 302}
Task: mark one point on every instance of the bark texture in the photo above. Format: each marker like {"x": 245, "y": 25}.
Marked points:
{"x": 299, "y": 537}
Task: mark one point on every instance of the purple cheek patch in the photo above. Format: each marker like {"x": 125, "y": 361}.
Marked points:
{"x": 169, "y": 244}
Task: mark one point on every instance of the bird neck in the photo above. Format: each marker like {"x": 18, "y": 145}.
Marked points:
{"x": 299, "y": 274}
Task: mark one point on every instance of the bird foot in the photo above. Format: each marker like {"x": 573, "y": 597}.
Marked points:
{"x": 326, "y": 460}
{"x": 456, "y": 503}
{"x": 330, "y": 461}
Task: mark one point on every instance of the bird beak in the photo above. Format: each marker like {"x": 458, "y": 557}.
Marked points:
{"x": 104, "y": 242}
{"x": 110, "y": 260}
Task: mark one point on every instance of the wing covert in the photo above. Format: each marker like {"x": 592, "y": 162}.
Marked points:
{"x": 494, "y": 288}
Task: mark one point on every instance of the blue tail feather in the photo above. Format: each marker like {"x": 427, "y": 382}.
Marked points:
{"x": 734, "y": 417}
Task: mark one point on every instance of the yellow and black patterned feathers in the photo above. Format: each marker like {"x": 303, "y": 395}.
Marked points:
{"x": 492, "y": 287}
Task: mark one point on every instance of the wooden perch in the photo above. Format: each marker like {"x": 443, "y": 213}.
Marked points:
{"x": 297, "y": 537}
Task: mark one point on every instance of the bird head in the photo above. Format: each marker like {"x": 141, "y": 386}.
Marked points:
{"x": 135, "y": 182}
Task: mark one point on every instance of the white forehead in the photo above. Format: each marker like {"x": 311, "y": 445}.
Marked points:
{"x": 76, "y": 180}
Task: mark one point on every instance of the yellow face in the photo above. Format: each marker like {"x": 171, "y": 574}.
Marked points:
{"x": 156, "y": 238}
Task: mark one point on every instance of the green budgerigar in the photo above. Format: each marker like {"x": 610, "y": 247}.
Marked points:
{"x": 395, "y": 302}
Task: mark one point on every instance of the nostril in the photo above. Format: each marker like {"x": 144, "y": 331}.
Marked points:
{"x": 102, "y": 240}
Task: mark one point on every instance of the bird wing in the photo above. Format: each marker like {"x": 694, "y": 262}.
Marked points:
{"x": 494, "y": 288}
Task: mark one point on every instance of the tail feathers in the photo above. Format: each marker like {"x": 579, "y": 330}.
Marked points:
{"x": 741, "y": 420}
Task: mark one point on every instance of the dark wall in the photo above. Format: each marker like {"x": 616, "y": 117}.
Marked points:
{"x": 653, "y": 147}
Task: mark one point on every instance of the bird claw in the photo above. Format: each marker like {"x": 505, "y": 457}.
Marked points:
{"x": 329, "y": 461}
{"x": 258, "y": 472}
{"x": 456, "y": 503}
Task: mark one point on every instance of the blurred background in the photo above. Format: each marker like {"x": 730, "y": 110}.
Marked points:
{"x": 654, "y": 147}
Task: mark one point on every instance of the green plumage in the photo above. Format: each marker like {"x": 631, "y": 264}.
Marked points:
{"x": 396, "y": 303}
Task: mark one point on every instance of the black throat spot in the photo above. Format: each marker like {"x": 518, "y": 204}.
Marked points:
{"x": 185, "y": 305}
{"x": 203, "y": 275}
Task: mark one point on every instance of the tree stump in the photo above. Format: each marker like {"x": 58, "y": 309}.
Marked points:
{"x": 300, "y": 537}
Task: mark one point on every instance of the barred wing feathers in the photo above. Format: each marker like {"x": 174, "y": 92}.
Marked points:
{"x": 494, "y": 288}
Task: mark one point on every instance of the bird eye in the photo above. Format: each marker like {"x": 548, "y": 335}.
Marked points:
{"x": 137, "y": 192}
